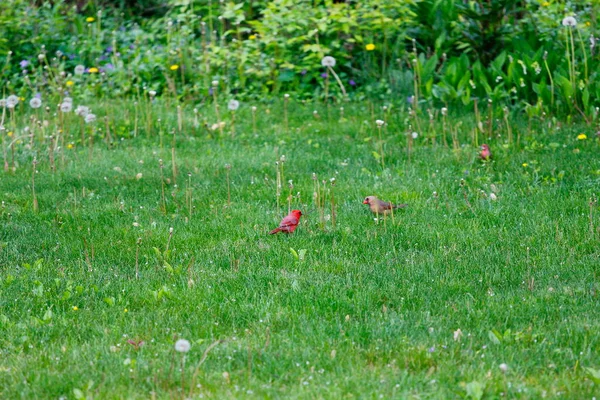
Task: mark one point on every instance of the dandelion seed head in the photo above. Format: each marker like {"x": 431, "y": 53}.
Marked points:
{"x": 79, "y": 70}
{"x": 569, "y": 21}
{"x": 380, "y": 122}
{"x": 66, "y": 107}
{"x": 233, "y": 105}
{"x": 35, "y": 103}
{"x": 328, "y": 61}
{"x": 89, "y": 118}
{"x": 182, "y": 346}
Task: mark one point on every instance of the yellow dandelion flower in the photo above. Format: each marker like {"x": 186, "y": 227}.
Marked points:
{"x": 125, "y": 310}
{"x": 90, "y": 19}
{"x": 75, "y": 308}
{"x": 588, "y": 23}
{"x": 545, "y": 4}
{"x": 174, "y": 67}
{"x": 252, "y": 37}
{"x": 525, "y": 165}
{"x": 70, "y": 146}
{"x": 70, "y": 83}
{"x": 581, "y": 136}
{"x": 370, "y": 47}
{"x": 10, "y": 134}
{"x": 93, "y": 70}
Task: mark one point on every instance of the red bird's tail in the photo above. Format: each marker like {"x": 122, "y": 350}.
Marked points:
{"x": 274, "y": 231}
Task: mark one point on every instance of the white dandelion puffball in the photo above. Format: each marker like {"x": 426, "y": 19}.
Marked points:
{"x": 233, "y": 105}
{"x": 152, "y": 93}
{"x": 66, "y": 107}
{"x": 79, "y": 70}
{"x": 35, "y": 103}
{"x": 12, "y": 101}
{"x": 503, "y": 367}
{"x": 82, "y": 111}
{"x": 182, "y": 346}
{"x": 444, "y": 111}
{"x": 90, "y": 118}
{"x": 328, "y": 61}
{"x": 415, "y": 135}
{"x": 569, "y": 21}
{"x": 493, "y": 196}
{"x": 215, "y": 83}
{"x": 379, "y": 122}
{"x": 68, "y": 100}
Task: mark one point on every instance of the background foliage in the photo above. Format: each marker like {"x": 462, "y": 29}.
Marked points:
{"x": 512, "y": 52}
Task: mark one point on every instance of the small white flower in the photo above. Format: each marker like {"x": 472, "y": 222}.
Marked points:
{"x": 286, "y": 96}
{"x": 493, "y": 196}
{"x": 380, "y": 122}
{"x": 66, "y": 107}
{"x": 444, "y": 111}
{"x": 503, "y": 367}
{"x": 35, "y": 103}
{"x": 90, "y": 118}
{"x": 41, "y": 56}
{"x": 328, "y": 61}
{"x": 215, "y": 83}
{"x": 253, "y": 108}
{"x": 79, "y": 70}
{"x": 569, "y": 21}
{"x": 414, "y": 135}
{"x": 233, "y": 105}
{"x": 82, "y": 111}
{"x": 152, "y": 93}
{"x": 182, "y": 346}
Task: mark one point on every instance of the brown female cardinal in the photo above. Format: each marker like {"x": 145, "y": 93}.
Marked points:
{"x": 379, "y": 206}
{"x": 486, "y": 153}
{"x": 289, "y": 223}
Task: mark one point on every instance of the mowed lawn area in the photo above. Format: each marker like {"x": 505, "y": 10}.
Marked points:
{"x": 484, "y": 286}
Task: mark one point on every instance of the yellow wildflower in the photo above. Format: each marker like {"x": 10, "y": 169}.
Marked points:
{"x": 125, "y": 310}
{"x": 93, "y": 70}
{"x": 70, "y": 83}
{"x": 525, "y": 164}
{"x": 370, "y": 47}
{"x": 545, "y": 4}
{"x": 174, "y": 67}
{"x": 90, "y": 19}
{"x": 75, "y": 308}
{"x": 70, "y": 146}
{"x": 581, "y": 136}
{"x": 10, "y": 134}
{"x": 588, "y": 23}
{"x": 252, "y": 37}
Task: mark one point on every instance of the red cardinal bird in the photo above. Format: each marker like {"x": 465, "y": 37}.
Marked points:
{"x": 289, "y": 223}
{"x": 379, "y": 206}
{"x": 486, "y": 153}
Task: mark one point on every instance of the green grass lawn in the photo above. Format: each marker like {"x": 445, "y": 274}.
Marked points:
{"x": 359, "y": 309}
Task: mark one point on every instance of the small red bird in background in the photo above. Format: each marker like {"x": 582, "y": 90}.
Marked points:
{"x": 486, "y": 153}
{"x": 289, "y": 223}
{"x": 381, "y": 207}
